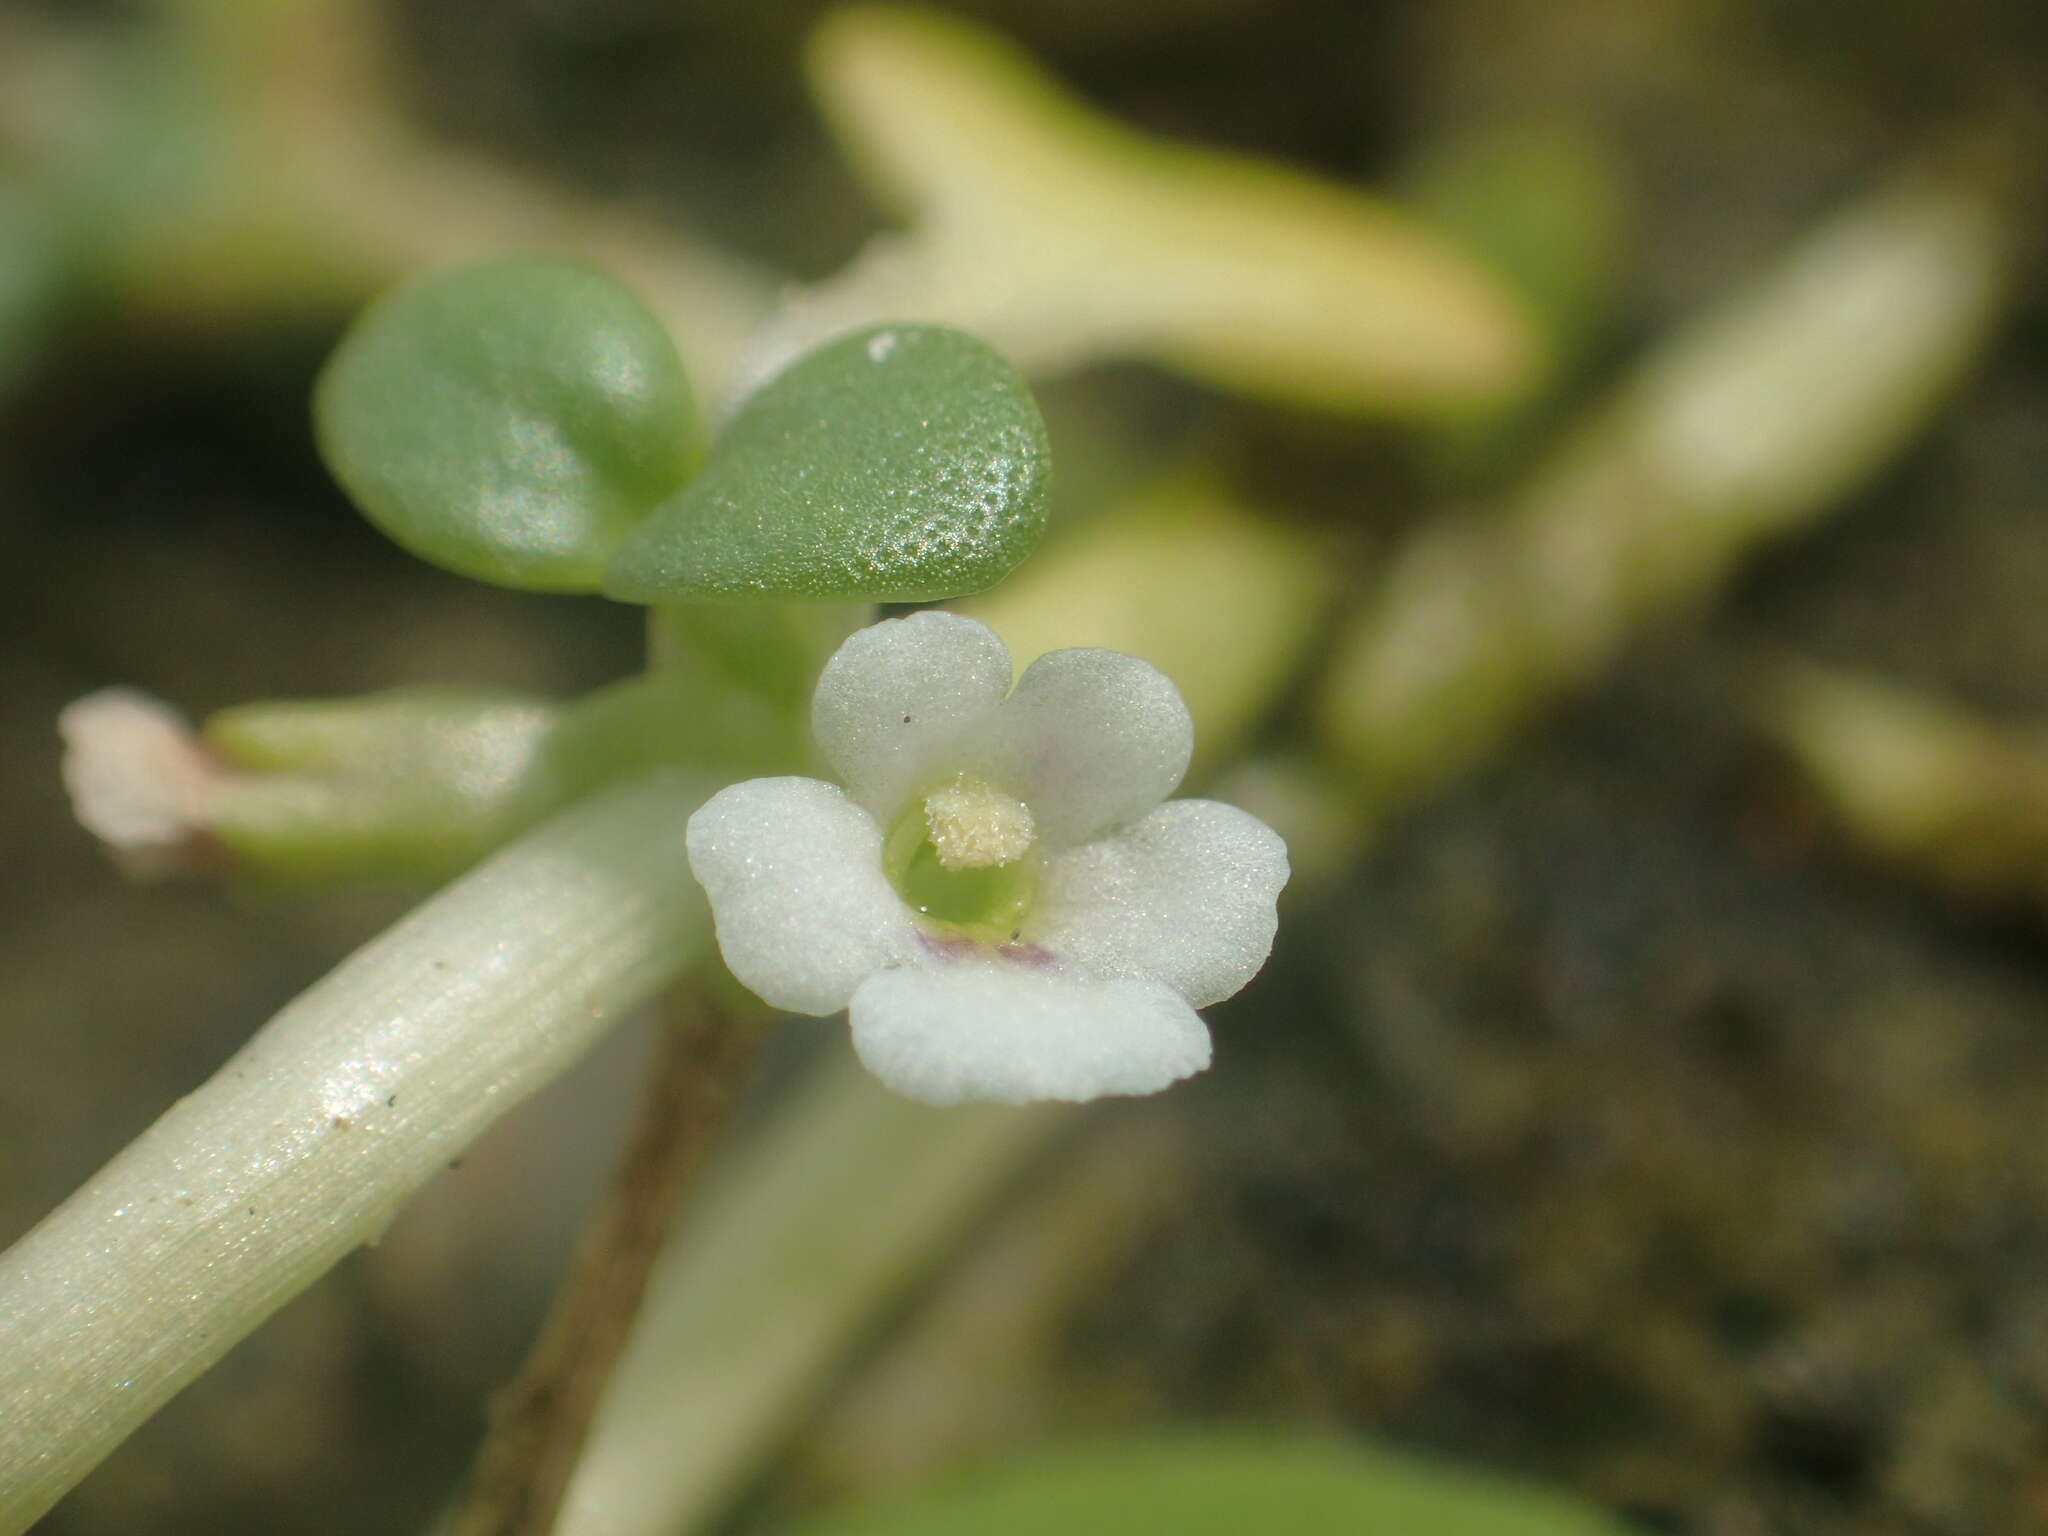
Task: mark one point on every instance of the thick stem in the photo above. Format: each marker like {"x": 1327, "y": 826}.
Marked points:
{"x": 309, "y": 1139}
{"x": 539, "y": 1423}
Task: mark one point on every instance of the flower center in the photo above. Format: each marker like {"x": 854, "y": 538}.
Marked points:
{"x": 974, "y": 825}
{"x": 966, "y": 856}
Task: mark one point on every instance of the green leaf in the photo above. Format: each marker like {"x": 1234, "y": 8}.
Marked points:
{"x": 1226, "y": 1485}
{"x": 1065, "y": 237}
{"x": 510, "y": 422}
{"x": 900, "y": 464}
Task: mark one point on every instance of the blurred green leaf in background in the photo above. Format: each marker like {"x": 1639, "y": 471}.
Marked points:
{"x": 1219, "y": 1485}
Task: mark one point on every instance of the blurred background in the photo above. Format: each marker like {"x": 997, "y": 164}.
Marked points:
{"x": 1651, "y": 1108}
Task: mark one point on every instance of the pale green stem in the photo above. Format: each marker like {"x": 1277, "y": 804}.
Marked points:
{"x": 1745, "y": 426}
{"x": 979, "y": 1365}
{"x": 796, "y": 1244}
{"x": 308, "y": 1140}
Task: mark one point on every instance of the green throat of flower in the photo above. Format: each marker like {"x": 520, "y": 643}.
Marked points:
{"x": 965, "y": 856}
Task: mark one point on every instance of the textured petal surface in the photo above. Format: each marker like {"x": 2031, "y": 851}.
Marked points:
{"x": 1185, "y": 896}
{"x": 996, "y": 1031}
{"x": 1090, "y": 739}
{"x": 794, "y": 872}
{"x": 898, "y": 696}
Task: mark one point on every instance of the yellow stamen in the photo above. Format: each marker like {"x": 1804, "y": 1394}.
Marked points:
{"x": 975, "y": 826}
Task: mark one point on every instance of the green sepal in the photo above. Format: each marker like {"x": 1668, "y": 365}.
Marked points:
{"x": 669, "y": 719}
{"x": 774, "y": 651}
{"x": 904, "y": 463}
{"x": 509, "y": 422}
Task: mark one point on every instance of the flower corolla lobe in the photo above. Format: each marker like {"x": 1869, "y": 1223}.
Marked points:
{"x": 997, "y": 896}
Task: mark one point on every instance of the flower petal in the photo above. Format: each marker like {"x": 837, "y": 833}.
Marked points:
{"x": 898, "y": 695}
{"x": 996, "y": 1031}
{"x": 1089, "y": 739}
{"x": 1185, "y": 896}
{"x": 138, "y": 778}
{"x": 794, "y": 872}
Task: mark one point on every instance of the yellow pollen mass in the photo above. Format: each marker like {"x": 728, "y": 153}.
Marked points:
{"x": 975, "y": 826}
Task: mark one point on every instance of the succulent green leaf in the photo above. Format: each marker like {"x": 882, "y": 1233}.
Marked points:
{"x": 1215, "y": 1485}
{"x": 1065, "y": 237}
{"x": 509, "y": 422}
{"x": 902, "y": 463}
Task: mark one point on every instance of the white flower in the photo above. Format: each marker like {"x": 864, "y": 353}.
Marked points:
{"x": 139, "y": 779}
{"x": 997, "y": 896}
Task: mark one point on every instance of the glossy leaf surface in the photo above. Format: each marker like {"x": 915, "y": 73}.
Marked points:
{"x": 509, "y": 422}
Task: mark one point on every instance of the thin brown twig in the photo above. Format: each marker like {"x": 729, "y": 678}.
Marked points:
{"x": 539, "y": 1421}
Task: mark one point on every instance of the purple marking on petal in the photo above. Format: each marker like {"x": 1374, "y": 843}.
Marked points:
{"x": 954, "y": 947}
{"x": 947, "y": 946}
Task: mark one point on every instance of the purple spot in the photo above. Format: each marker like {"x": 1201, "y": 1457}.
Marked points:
{"x": 958, "y": 946}
{"x": 947, "y": 946}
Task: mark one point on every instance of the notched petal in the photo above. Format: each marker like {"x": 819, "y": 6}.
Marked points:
{"x": 793, "y": 869}
{"x": 898, "y": 696}
{"x": 969, "y": 1031}
{"x": 1185, "y": 896}
{"x": 1090, "y": 738}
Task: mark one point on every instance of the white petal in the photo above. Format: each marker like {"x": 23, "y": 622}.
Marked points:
{"x": 896, "y": 698}
{"x": 138, "y": 778}
{"x": 794, "y": 872}
{"x": 1090, "y": 738}
{"x": 1185, "y": 896}
{"x": 996, "y": 1031}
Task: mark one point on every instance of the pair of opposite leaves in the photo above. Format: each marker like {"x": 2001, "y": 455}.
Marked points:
{"x": 528, "y": 423}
